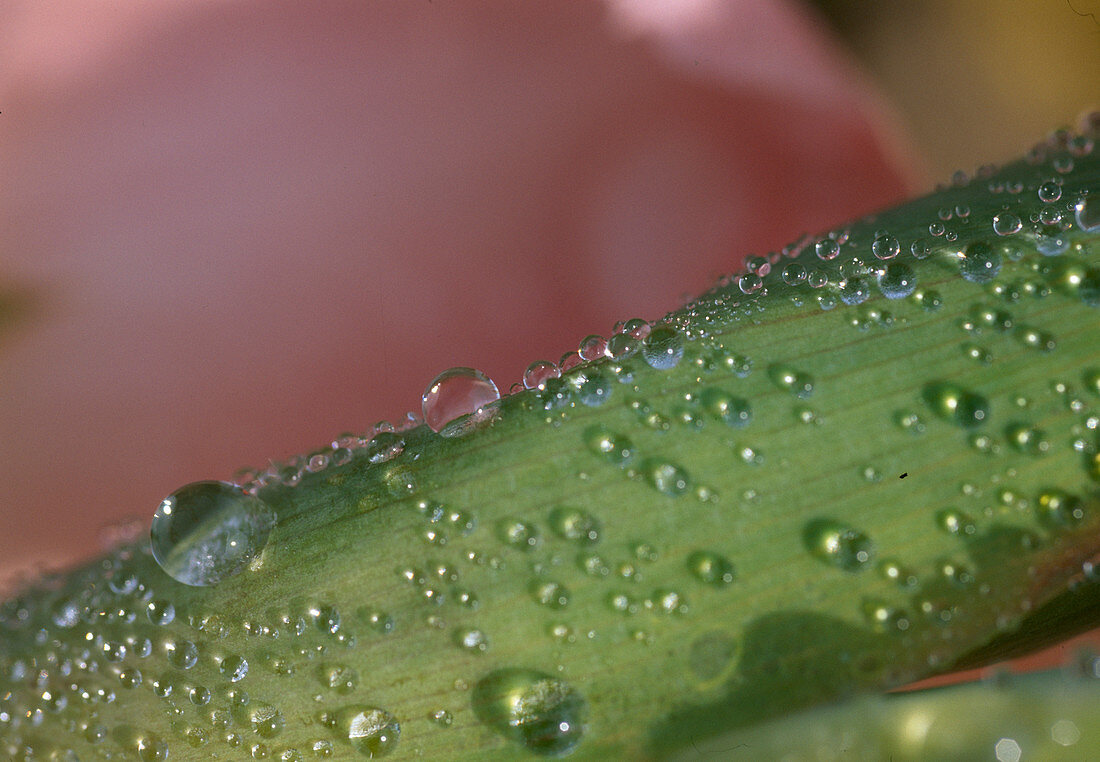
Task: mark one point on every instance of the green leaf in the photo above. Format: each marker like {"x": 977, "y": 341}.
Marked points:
{"x": 795, "y": 490}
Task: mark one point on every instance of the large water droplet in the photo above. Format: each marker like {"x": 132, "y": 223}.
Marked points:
{"x": 955, "y": 404}
{"x": 371, "y": 731}
{"x": 454, "y": 393}
{"x": 207, "y": 531}
{"x": 540, "y": 712}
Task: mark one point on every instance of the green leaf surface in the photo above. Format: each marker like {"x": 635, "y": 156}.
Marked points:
{"x": 795, "y": 490}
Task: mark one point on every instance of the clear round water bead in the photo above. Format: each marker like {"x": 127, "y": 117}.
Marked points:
{"x": 207, "y": 531}
{"x": 455, "y": 393}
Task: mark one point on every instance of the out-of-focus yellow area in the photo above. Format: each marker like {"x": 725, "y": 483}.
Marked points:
{"x": 976, "y": 80}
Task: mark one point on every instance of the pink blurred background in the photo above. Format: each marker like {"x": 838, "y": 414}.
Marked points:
{"x": 236, "y": 229}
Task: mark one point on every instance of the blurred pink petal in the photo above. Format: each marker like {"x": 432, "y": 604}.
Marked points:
{"x": 253, "y": 225}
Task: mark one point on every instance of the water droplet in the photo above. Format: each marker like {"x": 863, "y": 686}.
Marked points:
{"x": 1006, "y": 223}
{"x": 979, "y": 263}
{"x": 1026, "y": 439}
{"x": 897, "y": 281}
{"x": 575, "y": 525}
{"x": 666, "y": 477}
{"x": 827, "y": 249}
{"x": 517, "y": 533}
{"x": 455, "y": 393}
{"x": 442, "y": 718}
{"x": 720, "y": 404}
{"x": 338, "y": 677}
{"x": 371, "y": 731}
{"x": 954, "y": 521}
{"x": 537, "y": 711}
{"x": 622, "y": 346}
{"x": 384, "y": 447}
{"x": 233, "y": 667}
{"x": 663, "y": 348}
{"x": 538, "y": 373}
{"x": 749, "y": 283}
{"x": 1087, "y": 213}
{"x": 838, "y": 544}
{"x": 550, "y": 594}
{"x": 263, "y": 718}
{"x": 711, "y": 568}
{"x": 885, "y": 247}
{"x": 615, "y": 447}
{"x": 793, "y": 274}
{"x": 855, "y": 291}
{"x": 955, "y": 404}
{"x": 471, "y": 639}
{"x": 977, "y": 353}
{"x": 1049, "y": 192}
{"x": 207, "y": 531}
{"x": 592, "y": 347}
{"x": 791, "y": 380}
{"x": 1059, "y": 509}
{"x": 593, "y": 386}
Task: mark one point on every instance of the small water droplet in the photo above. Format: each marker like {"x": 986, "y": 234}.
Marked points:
{"x": 592, "y": 347}
{"x": 885, "y": 247}
{"x": 663, "y": 347}
{"x": 666, "y": 477}
{"x": 384, "y": 447}
{"x": 838, "y": 544}
{"x": 955, "y": 404}
{"x": 897, "y": 281}
{"x": 538, "y": 373}
{"x": 371, "y": 731}
{"x": 1026, "y": 439}
{"x": 956, "y": 522}
{"x": 338, "y": 677}
{"x": 791, "y": 380}
{"x": 233, "y": 667}
{"x": 979, "y": 263}
{"x": 1006, "y": 223}
{"x": 1059, "y": 509}
{"x": 1087, "y": 213}
{"x": 616, "y": 448}
{"x": 1049, "y": 192}
{"x": 539, "y": 712}
{"x": 711, "y": 568}
{"x": 551, "y": 594}
{"x": 207, "y": 531}
{"x": 455, "y": 393}
{"x": 720, "y": 404}
{"x": 471, "y": 639}
{"x": 827, "y": 249}
{"x": 575, "y": 525}
{"x": 793, "y": 274}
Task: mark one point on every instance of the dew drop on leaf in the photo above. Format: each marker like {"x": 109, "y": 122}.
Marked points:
{"x": 541, "y": 713}
{"x": 207, "y": 531}
{"x": 454, "y": 393}
{"x": 373, "y": 732}
{"x": 838, "y": 544}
